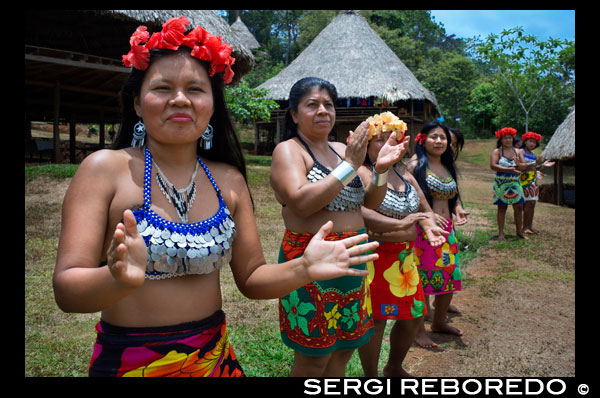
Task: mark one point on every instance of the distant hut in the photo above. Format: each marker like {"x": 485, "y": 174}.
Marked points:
{"x": 561, "y": 149}
{"x": 368, "y": 76}
{"x": 74, "y": 70}
{"x": 244, "y": 34}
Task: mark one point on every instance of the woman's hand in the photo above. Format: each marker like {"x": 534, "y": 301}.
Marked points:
{"x": 127, "y": 254}
{"x": 435, "y": 235}
{"x": 356, "y": 147}
{"x": 461, "y": 216}
{"x": 391, "y": 153}
{"x": 412, "y": 219}
{"x": 332, "y": 259}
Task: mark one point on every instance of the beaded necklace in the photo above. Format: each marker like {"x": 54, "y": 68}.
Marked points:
{"x": 177, "y": 249}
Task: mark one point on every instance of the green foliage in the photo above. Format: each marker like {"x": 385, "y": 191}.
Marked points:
{"x": 529, "y": 67}
{"x": 247, "y": 104}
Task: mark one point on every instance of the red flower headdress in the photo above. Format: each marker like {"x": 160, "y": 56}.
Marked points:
{"x": 204, "y": 46}
{"x": 420, "y": 138}
{"x": 531, "y": 135}
{"x": 505, "y": 131}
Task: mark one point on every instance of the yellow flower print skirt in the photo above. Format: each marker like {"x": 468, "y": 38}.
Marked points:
{"x": 324, "y": 316}
{"x": 438, "y": 266}
{"x": 394, "y": 282}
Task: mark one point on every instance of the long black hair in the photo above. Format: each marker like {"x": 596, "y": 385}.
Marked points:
{"x": 226, "y": 145}
{"x": 447, "y": 159}
{"x": 299, "y": 90}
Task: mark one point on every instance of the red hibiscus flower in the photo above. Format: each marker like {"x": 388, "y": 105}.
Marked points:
{"x": 139, "y": 56}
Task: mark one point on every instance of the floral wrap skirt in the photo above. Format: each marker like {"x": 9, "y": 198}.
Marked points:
{"x": 324, "y": 316}
{"x": 438, "y": 266}
{"x": 394, "y": 283}
{"x": 194, "y": 349}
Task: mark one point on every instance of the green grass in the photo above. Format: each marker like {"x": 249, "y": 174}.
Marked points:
{"x": 50, "y": 170}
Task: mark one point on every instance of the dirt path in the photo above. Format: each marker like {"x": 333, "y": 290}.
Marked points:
{"x": 518, "y": 300}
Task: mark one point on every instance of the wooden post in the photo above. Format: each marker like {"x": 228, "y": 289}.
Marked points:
{"x": 101, "y": 132}
{"x": 57, "y": 157}
{"x": 559, "y": 184}
{"x": 72, "y": 140}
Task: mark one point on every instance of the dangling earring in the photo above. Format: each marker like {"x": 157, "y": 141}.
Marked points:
{"x": 139, "y": 135}
{"x": 207, "y": 137}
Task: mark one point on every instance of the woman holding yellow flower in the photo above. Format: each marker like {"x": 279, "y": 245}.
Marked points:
{"x": 396, "y": 290}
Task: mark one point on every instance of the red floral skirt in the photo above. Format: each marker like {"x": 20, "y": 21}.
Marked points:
{"x": 394, "y": 283}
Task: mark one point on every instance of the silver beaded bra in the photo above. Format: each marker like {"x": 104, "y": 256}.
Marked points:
{"x": 350, "y": 198}
{"x": 400, "y": 204}
{"x": 177, "y": 249}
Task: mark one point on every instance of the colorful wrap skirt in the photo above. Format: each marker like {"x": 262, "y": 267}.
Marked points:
{"x": 194, "y": 349}
{"x": 531, "y": 191}
{"x": 395, "y": 284}
{"x": 324, "y": 316}
{"x": 438, "y": 266}
{"x": 508, "y": 189}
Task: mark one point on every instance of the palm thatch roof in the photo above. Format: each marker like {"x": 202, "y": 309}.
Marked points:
{"x": 246, "y": 37}
{"x": 562, "y": 143}
{"x": 350, "y": 54}
{"x": 209, "y": 20}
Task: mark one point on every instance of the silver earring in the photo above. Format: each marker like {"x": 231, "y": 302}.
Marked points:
{"x": 139, "y": 135}
{"x": 207, "y": 137}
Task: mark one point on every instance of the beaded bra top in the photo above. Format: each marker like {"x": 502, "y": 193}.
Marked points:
{"x": 400, "y": 204}
{"x": 350, "y": 198}
{"x": 506, "y": 162}
{"x": 177, "y": 249}
{"x": 441, "y": 188}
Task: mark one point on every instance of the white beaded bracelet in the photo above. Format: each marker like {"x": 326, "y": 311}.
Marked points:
{"x": 379, "y": 179}
{"x": 344, "y": 172}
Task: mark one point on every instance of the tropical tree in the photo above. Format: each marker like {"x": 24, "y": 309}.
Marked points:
{"x": 528, "y": 66}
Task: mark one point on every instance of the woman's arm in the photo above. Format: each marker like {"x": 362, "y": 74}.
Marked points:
{"x": 390, "y": 154}
{"x": 79, "y": 284}
{"x": 292, "y": 189}
{"x": 321, "y": 260}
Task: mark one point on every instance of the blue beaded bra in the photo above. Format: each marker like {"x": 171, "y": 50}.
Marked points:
{"x": 177, "y": 249}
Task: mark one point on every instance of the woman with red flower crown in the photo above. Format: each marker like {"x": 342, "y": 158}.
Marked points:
{"x": 508, "y": 163}
{"x": 134, "y": 246}
{"x": 529, "y": 177}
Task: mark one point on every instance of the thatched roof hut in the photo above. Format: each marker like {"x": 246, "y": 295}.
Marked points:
{"x": 74, "y": 70}
{"x": 561, "y": 149}
{"x": 352, "y": 56}
{"x": 562, "y": 143}
{"x": 246, "y": 37}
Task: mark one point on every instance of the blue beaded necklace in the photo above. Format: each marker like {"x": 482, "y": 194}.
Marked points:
{"x": 177, "y": 249}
